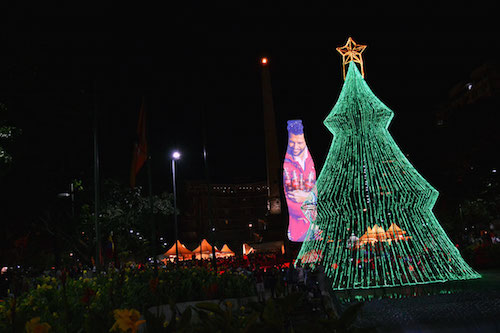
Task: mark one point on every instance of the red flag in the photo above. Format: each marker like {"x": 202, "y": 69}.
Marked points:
{"x": 140, "y": 153}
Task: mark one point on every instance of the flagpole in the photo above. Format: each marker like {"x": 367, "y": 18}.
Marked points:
{"x": 153, "y": 220}
{"x": 207, "y": 177}
{"x": 150, "y": 193}
{"x": 96, "y": 182}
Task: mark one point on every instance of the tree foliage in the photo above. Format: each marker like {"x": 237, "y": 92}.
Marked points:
{"x": 128, "y": 216}
{"x": 126, "y": 219}
{"x": 7, "y": 134}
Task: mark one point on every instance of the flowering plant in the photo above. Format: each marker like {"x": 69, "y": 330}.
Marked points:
{"x": 73, "y": 303}
{"x": 127, "y": 319}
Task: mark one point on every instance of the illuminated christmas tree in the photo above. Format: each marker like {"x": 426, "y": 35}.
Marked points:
{"x": 374, "y": 210}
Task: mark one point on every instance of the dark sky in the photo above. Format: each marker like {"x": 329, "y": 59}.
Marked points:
{"x": 58, "y": 65}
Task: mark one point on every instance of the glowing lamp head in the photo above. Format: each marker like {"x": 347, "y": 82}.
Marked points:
{"x": 176, "y": 155}
{"x": 263, "y": 61}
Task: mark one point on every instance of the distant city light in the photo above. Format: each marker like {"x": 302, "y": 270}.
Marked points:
{"x": 250, "y": 225}
{"x": 263, "y": 61}
{"x": 131, "y": 231}
{"x": 176, "y": 155}
{"x": 213, "y": 229}
{"x": 469, "y": 86}
{"x": 494, "y": 170}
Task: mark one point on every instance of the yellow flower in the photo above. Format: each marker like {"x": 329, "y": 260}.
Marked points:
{"x": 34, "y": 326}
{"x": 126, "y": 319}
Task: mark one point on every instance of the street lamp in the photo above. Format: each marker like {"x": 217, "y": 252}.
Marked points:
{"x": 71, "y": 194}
{"x": 175, "y": 156}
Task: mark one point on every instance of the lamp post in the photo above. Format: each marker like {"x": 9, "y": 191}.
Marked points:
{"x": 175, "y": 156}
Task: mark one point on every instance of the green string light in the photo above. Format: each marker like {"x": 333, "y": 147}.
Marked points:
{"x": 374, "y": 210}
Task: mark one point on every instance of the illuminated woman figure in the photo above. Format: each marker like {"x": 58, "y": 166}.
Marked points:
{"x": 299, "y": 179}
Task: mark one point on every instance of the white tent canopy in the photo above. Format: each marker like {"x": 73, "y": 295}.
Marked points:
{"x": 184, "y": 253}
{"x": 225, "y": 252}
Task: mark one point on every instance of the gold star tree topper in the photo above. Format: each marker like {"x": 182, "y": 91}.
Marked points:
{"x": 352, "y": 52}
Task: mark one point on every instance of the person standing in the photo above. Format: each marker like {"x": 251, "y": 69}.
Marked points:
{"x": 259, "y": 285}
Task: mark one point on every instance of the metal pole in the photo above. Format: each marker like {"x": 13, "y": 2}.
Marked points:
{"x": 153, "y": 220}
{"x": 175, "y": 214}
{"x": 72, "y": 192}
{"x": 96, "y": 185}
{"x": 211, "y": 225}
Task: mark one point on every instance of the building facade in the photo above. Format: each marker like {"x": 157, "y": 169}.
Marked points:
{"x": 228, "y": 213}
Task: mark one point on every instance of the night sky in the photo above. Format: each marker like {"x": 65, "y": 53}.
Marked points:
{"x": 58, "y": 66}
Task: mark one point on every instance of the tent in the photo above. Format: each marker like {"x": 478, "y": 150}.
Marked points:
{"x": 378, "y": 233}
{"x": 204, "y": 251}
{"x": 225, "y": 252}
{"x": 247, "y": 249}
{"x": 395, "y": 233}
{"x": 184, "y": 253}
{"x": 368, "y": 237}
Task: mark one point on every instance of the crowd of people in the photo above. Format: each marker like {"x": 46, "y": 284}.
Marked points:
{"x": 273, "y": 275}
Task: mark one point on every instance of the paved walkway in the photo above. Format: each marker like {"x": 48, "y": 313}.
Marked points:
{"x": 472, "y": 306}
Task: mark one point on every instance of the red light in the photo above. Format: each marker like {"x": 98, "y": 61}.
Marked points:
{"x": 264, "y": 61}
